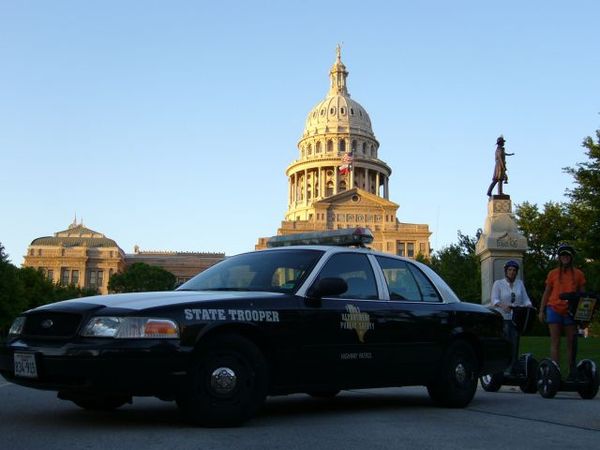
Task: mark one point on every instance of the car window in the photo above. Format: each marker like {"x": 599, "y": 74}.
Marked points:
{"x": 274, "y": 271}
{"x": 355, "y": 269}
{"x": 428, "y": 291}
{"x": 400, "y": 280}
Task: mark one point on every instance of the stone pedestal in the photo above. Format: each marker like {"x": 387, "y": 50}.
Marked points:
{"x": 499, "y": 242}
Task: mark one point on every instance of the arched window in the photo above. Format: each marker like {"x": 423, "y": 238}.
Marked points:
{"x": 318, "y": 147}
{"x": 342, "y": 186}
{"x": 354, "y": 145}
{"x": 342, "y": 146}
{"x": 364, "y": 148}
{"x": 329, "y": 189}
{"x": 329, "y": 145}
{"x": 309, "y": 149}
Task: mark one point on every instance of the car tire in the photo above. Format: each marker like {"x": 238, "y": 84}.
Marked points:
{"x": 587, "y": 372}
{"x": 228, "y": 383}
{"x": 548, "y": 378}
{"x": 491, "y": 383}
{"x": 529, "y": 386}
{"x": 101, "y": 403}
{"x": 325, "y": 394}
{"x": 456, "y": 381}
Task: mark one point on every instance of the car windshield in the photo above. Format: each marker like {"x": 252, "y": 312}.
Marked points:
{"x": 270, "y": 271}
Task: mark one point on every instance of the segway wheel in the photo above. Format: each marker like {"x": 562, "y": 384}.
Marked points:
{"x": 548, "y": 378}
{"x": 529, "y": 385}
{"x": 587, "y": 375}
{"x": 491, "y": 383}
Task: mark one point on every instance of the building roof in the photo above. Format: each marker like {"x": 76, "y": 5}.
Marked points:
{"x": 338, "y": 112}
{"x": 76, "y": 235}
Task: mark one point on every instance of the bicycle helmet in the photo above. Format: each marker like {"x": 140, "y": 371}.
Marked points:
{"x": 511, "y": 263}
{"x": 565, "y": 249}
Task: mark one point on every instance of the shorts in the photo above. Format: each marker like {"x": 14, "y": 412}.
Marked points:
{"x": 552, "y": 317}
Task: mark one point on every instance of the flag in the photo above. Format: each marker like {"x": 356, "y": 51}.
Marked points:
{"x": 347, "y": 161}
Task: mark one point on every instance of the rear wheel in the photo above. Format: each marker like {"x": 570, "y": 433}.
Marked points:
{"x": 529, "y": 386}
{"x": 227, "y": 385}
{"x": 491, "y": 383}
{"x": 587, "y": 373}
{"x": 456, "y": 382}
{"x": 548, "y": 378}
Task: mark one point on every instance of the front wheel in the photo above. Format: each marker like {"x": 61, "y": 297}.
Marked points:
{"x": 587, "y": 373}
{"x": 548, "y": 378}
{"x": 456, "y": 381}
{"x": 227, "y": 385}
{"x": 491, "y": 383}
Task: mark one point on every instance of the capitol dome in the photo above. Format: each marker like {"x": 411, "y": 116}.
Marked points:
{"x": 338, "y": 112}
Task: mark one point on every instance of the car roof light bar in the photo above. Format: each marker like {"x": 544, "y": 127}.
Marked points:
{"x": 359, "y": 237}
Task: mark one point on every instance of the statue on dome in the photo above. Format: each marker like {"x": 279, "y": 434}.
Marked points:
{"x": 500, "y": 176}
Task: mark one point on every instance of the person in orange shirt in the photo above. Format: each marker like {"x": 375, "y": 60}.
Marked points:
{"x": 553, "y": 310}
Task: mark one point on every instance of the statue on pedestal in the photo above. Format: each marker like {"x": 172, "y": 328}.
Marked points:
{"x": 500, "y": 177}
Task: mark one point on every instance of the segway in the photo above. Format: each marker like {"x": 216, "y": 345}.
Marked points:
{"x": 522, "y": 372}
{"x": 584, "y": 377}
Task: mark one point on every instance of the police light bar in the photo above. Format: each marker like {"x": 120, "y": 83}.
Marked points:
{"x": 346, "y": 237}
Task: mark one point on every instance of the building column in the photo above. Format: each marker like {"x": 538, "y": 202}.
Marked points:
{"x": 367, "y": 181}
{"x": 305, "y": 186}
{"x": 385, "y": 188}
{"x": 377, "y": 181}
{"x": 335, "y": 179}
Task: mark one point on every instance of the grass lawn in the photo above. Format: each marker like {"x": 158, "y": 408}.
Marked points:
{"x": 540, "y": 347}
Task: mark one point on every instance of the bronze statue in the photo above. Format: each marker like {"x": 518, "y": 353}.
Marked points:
{"x": 500, "y": 177}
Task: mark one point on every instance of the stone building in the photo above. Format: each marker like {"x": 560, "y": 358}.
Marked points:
{"x": 86, "y": 258}
{"x": 78, "y": 256}
{"x": 339, "y": 181}
{"x": 184, "y": 265}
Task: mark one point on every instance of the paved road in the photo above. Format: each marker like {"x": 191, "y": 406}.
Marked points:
{"x": 365, "y": 420}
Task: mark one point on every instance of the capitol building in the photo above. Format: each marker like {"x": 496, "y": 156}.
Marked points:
{"x": 339, "y": 180}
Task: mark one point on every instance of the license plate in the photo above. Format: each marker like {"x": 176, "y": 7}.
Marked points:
{"x": 25, "y": 365}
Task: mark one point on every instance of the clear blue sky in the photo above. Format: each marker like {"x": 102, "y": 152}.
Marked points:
{"x": 170, "y": 124}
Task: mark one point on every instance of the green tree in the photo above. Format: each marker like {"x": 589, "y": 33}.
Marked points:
{"x": 140, "y": 277}
{"x": 12, "y": 298}
{"x": 584, "y": 208}
{"x": 545, "y": 231}
{"x": 458, "y": 265}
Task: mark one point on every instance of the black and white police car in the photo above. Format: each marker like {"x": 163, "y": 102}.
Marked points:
{"x": 294, "y": 318}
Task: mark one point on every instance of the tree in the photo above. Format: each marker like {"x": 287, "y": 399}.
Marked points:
{"x": 458, "y": 265}
{"x": 140, "y": 277}
{"x": 12, "y": 300}
{"x": 544, "y": 231}
{"x": 585, "y": 209}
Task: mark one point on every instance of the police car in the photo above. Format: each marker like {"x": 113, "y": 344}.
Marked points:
{"x": 314, "y": 318}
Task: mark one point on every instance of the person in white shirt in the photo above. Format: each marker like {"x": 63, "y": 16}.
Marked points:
{"x": 506, "y": 293}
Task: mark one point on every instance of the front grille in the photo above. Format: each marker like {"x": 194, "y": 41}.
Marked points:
{"x": 51, "y": 324}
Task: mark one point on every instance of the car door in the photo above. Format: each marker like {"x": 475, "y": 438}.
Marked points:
{"x": 415, "y": 322}
{"x": 338, "y": 347}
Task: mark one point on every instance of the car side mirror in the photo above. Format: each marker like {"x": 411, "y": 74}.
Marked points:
{"x": 326, "y": 287}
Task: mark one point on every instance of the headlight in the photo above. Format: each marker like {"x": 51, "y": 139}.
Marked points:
{"x": 17, "y": 326}
{"x": 131, "y": 328}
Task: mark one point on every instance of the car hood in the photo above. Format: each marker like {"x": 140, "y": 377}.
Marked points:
{"x": 145, "y": 300}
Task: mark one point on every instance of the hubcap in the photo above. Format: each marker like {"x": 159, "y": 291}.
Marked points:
{"x": 223, "y": 380}
{"x": 460, "y": 372}
{"x": 487, "y": 379}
